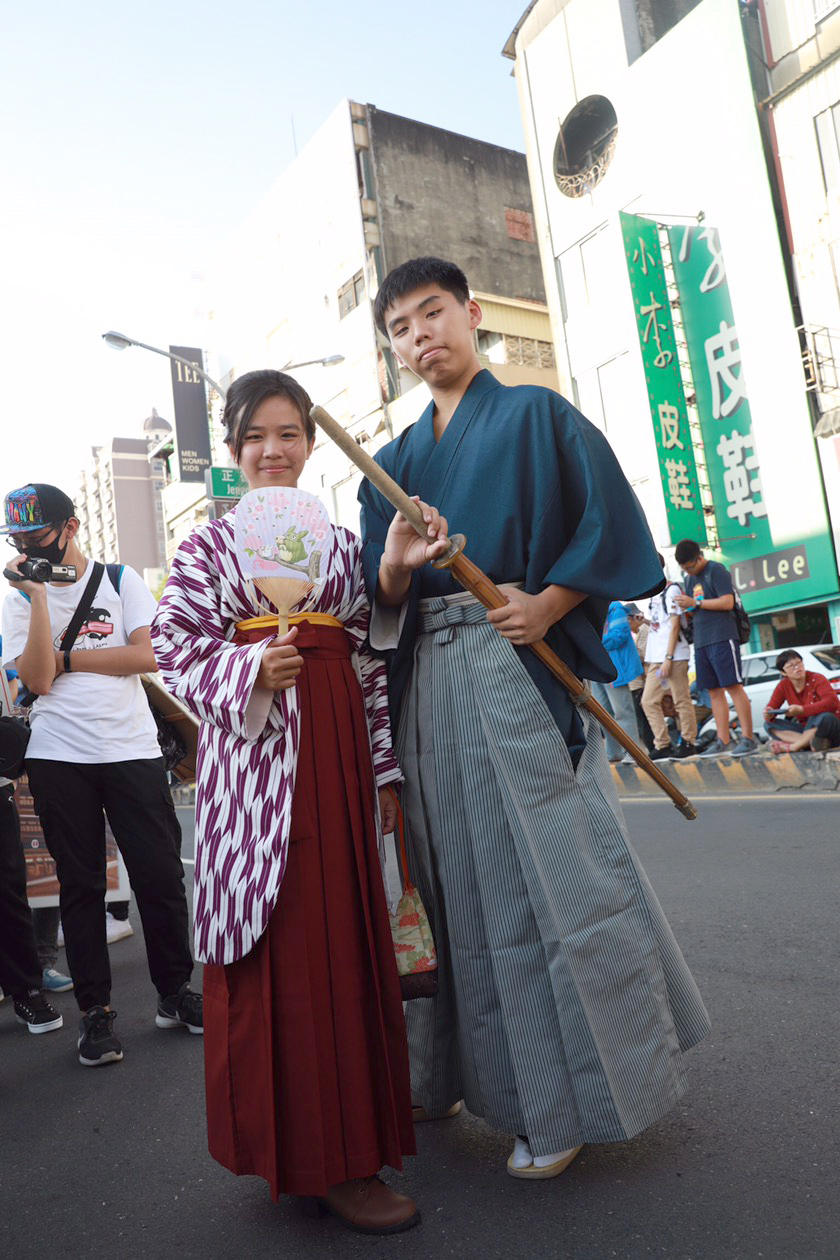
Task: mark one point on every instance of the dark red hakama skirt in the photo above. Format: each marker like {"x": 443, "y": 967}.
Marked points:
{"x": 306, "y": 1061}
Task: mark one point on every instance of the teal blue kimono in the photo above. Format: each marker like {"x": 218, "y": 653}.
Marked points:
{"x": 564, "y": 1005}
{"x": 542, "y": 500}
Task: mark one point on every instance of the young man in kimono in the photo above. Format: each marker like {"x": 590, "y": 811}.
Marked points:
{"x": 564, "y": 1005}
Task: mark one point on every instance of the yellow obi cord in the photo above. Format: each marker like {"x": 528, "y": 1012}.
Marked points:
{"x": 314, "y": 619}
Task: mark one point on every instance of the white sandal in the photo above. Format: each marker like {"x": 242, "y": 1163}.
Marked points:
{"x": 521, "y": 1163}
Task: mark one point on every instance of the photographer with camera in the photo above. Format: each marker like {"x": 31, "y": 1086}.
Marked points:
{"x": 79, "y": 642}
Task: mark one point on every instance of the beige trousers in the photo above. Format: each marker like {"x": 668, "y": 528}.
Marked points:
{"x": 652, "y": 702}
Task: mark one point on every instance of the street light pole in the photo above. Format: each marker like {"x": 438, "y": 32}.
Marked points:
{"x": 117, "y": 341}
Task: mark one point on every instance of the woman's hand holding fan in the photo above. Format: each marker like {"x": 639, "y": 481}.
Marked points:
{"x": 281, "y": 663}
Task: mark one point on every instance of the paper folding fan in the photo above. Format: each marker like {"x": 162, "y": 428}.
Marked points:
{"x": 282, "y": 536}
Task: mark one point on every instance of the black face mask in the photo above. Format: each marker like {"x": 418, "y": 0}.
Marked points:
{"x": 53, "y": 551}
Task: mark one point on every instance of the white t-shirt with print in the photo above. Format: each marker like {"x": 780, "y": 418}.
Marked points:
{"x": 88, "y": 718}
{"x": 660, "y": 611}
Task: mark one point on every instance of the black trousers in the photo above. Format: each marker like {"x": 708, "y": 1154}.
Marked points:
{"x": 19, "y": 967}
{"x": 69, "y": 799}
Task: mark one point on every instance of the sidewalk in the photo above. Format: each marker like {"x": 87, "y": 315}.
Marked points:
{"x": 715, "y": 776}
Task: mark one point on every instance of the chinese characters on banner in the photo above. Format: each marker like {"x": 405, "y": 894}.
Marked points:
{"x": 726, "y": 425}
{"x": 715, "y": 354}
{"x": 677, "y": 468}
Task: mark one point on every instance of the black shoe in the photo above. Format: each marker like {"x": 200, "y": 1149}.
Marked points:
{"x": 183, "y": 1009}
{"x": 35, "y": 1011}
{"x": 662, "y": 754}
{"x": 687, "y": 750}
{"x": 97, "y": 1043}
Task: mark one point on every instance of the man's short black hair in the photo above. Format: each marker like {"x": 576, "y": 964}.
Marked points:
{"x": 416, "y": 274}
{"x": 686, "y": 550}
{"x": 783, "y": 658}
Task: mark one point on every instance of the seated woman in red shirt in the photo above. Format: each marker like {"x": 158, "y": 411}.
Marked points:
{"x": 812, "y": 717}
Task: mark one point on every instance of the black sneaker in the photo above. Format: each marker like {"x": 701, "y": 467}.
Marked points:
{"x": 183, "y": 1009}
{"x": 662, "y": 754}
{"x": 97, "y": 1043}
{"x": 687, "y": 750}
{"x": 35, "y": 1011}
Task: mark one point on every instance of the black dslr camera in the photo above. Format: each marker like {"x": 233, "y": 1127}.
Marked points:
{"x": 39, "y": 570}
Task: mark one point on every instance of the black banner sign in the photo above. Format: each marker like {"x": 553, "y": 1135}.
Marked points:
{"x": 192, "y": 429}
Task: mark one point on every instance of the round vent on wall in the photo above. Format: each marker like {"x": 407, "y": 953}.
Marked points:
{"x": 585, "y": 146}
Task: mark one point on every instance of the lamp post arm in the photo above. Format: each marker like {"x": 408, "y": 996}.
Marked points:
{"x": 177, "y": 358}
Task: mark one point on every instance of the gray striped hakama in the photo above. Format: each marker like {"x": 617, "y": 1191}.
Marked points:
{"x": 564, "y": 1004}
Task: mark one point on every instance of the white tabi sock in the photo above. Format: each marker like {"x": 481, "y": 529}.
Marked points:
{"x": 521, "y": 1157}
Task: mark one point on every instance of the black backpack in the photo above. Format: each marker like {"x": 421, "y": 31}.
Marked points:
{"x": 742, "y": 620}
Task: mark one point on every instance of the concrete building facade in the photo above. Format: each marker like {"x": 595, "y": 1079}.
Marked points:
{"x": 369, "y": 191}
{"x": 625, "y": 112}
{"x": 119, "y": 504}
{"x": 799, "y": 47}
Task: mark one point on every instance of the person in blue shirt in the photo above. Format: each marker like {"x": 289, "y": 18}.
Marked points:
{"x": 710, "y": 599}
{"x": 617, "y": 697}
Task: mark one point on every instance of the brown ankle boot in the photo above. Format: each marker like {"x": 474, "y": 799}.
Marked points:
{"x": 370, "y": 1207}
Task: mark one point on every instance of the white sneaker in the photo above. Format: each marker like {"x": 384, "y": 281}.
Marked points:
{"x": 117, "y": 929}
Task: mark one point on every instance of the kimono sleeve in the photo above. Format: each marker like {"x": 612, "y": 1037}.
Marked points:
{"x": 593, "y": 524}
{"x": 374, "y": 681}
{"x": 387, "y": 624}
{"x": 212, "y": 676}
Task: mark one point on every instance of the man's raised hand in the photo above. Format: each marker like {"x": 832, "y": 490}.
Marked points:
{"x": 405, "y": 549}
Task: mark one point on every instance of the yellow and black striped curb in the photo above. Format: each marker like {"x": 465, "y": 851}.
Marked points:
{"x": 704, "y": 776}
{"x": 715, "y": 776}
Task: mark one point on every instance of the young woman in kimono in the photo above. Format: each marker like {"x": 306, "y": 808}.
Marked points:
{"x": 305, "y": 1051}
{"x": 564, "y": 1005}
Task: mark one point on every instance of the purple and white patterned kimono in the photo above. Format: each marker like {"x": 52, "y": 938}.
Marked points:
{"x": 248, "y": 742}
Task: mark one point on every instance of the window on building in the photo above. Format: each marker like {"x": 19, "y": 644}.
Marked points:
{"x": 828, "y": 130}
{"x": 646, "y": 21}
{"x": 585, "y": 146}
{"x": 351, "y": 294}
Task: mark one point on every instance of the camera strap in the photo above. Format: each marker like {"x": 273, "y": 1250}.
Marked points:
{"x": 84, "y": 607}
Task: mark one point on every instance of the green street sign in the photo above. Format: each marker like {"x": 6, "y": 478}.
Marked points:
{"x": 674, "y": 450}
{"x": 225, "y": 483}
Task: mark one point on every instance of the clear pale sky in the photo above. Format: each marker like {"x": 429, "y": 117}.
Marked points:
{"x": 136, "y": 137}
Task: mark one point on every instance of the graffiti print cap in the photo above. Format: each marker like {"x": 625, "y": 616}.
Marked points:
{"x": 35, "y": 507}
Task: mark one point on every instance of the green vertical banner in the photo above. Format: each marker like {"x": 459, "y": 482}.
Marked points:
{"x": 725, "y": 420}
{"x": 806, "y": 567}
{"x": 677, "y": 467}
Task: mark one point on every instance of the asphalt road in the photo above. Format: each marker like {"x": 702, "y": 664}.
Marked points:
{"x": 112, "y": 1162}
